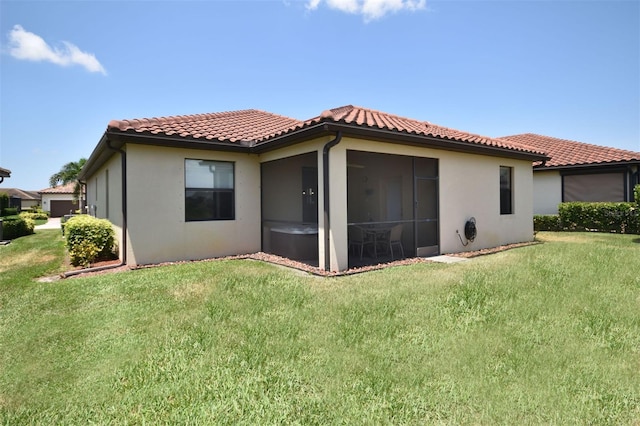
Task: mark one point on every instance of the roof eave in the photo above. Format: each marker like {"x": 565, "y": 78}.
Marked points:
{"x": 118, "y": 139}
{"x": 177, "y": 141}
{"x": 291, "y": 138}
{"x": 613, "y": 164}
{"x": 101, "y": 153}
{"x": 391, "y": 136}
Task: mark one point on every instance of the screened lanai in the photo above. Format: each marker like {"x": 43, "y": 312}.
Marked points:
{"x": 392, "y": 209}
{"x": 290, "y": 207}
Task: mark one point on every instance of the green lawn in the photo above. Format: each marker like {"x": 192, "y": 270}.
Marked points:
{"x": 545, "y": 334}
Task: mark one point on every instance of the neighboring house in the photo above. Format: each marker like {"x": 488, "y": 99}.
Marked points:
{"x": 579, "y": 172}
{"x": 59, "y": 200}
{"x": 22, "y": 199}
{"x": 4, "y": 173}
{"x": 210, "y": 185}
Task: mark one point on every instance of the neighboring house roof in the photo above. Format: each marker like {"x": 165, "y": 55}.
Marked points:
{"x": 570, "y": 154}
{"x": 62, "y": 189}
{"x": 19, "y": 193}
{"x": 4, "y": 173}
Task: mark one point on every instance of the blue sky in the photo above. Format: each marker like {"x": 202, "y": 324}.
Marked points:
{"x": 569, "y": 69}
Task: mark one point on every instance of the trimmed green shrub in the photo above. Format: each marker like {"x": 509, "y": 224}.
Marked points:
{"x": 35, "y": 215}
{"x": 636, "y": 194}
{"x": 35, "y": 209}
{"x": 546, "y": 222}
{"x": 88, "y": 239}
{"x": 622, "y": 218}
{"x": 63, "y": 221}
{"x": 17, "y": 227}
{"x": 10, "y": 211}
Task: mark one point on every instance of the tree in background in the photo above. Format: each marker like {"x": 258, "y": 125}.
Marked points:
{"x": 67, "y": 174}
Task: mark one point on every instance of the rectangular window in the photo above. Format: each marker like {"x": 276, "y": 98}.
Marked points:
{"x": 209, "y": 190}
{"x": 506, "y": 190}
{"x": 594, "y": 187}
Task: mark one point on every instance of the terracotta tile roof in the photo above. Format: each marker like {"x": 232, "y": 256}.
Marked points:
{"x": 62, "y": 189}
{"x": 565, "y": 153}
{"x": 253, "y": 126}
{"x": 233, "y": 126}
{"x": 365, "y": 117}
{"x": 19, "y": 193}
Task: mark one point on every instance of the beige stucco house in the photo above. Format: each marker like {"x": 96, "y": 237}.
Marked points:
{"x": 578, "y": 171}
{"x": 349, "y": 187}
{"x": 21, "y": 198}
{"x": 59, "y": 200}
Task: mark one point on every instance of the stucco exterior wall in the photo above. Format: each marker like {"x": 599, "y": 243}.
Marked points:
{"x": 469, "y": 186}
{"x": 26, "y": 204}
{"x": 47, "y": 198}
{"x": 547, "y": 192}
{"x": 104, "y": 191}
{"x": 104, "y": 195}
{"x": 156, "y": 222}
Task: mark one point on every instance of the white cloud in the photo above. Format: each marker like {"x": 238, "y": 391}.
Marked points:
{"x": 31, "y": 47}
{"x": 370, "y": 9}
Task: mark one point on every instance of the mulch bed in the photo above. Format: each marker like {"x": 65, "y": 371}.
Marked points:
{"x": 283, "y": 261}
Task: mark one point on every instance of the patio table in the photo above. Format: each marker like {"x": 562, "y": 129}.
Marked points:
{"x": 379, "y": 233}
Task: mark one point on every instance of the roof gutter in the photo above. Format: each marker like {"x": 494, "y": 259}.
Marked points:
{"x": 178, "y": 142}
{"x": 299, "y": 135}
{"x": 390, "y": 136}
{"x": 612, "y": 164}
{"x": 325, "y": 184}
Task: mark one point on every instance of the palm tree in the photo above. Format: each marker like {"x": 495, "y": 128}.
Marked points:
{"x": 69, "y": 173}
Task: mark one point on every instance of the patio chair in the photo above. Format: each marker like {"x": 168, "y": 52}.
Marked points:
{"x": 358, "y": 238}
{"x": 395, "y": 239}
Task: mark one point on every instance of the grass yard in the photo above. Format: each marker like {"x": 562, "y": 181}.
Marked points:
{"x": 547, "y": 334}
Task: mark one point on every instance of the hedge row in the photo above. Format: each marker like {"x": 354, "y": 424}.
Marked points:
{"x": 88, "y": 239}
{"x": 35, "y": 215}
{"x": 9, "y": 211}
{"x": 623, "y": 218}
{"x": 547, "y": 222}
{"x": 16, "y": 227}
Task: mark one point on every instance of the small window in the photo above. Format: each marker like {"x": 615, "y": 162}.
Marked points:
{"x": 209, "y": 190}
{"x": 506, "y": 190}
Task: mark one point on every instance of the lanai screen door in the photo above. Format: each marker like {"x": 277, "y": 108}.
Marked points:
{"x": 426, "y": 206}
{"x": 426, "y": 217}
